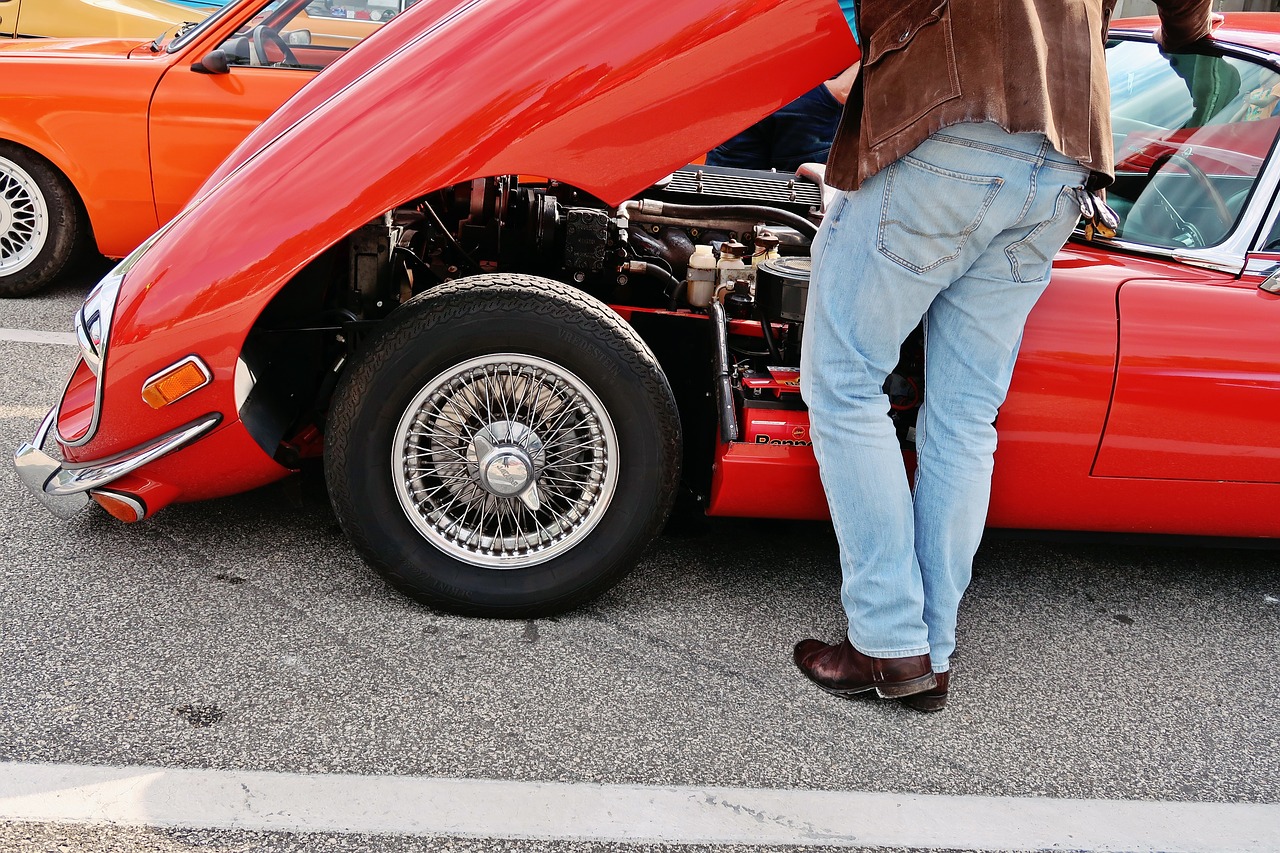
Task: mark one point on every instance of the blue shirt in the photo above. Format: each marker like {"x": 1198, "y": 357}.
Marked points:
{"x": 851, "y": 15}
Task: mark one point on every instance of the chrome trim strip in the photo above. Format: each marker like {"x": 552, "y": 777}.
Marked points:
{"x": 82, "y": 339}
{"x": 1262, "y": 266}
{"x": 98, "y": 368}
{"x": 62, "y": 487}
{"x": 97, "y": 408}
{"x": 1211, "y": 259}
{"x": 192, "y": 359}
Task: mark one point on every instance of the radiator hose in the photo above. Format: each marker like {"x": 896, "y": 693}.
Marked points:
{"x": 724, "y": 387}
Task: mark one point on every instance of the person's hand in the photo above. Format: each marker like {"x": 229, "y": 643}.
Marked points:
{"x": 841, "y": 85}
{"x": 1215, "y": 21}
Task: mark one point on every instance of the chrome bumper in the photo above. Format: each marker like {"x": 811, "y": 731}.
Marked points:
{"x": 63, "y": 487}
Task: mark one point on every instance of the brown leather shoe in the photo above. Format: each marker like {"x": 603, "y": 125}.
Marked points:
{"x": 931, "y": 700}
{"x": 843, "y": 670}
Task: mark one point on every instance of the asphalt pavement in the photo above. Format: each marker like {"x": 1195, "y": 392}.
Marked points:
{"x": 246, "y": 634}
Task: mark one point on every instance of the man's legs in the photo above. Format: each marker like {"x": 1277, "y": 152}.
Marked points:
{"x": 882, "y": 258}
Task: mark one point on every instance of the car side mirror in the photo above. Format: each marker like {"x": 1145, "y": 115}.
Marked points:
{"x": 214, "y": 62}
{"x": 297, "y": 38}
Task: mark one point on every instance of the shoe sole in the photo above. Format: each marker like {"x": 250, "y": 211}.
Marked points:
{"x": 928, "y": 704}
{"x": 895, "y": 690}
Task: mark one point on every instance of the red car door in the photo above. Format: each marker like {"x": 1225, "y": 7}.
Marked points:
{"x": 1197, "y": 390}
{"x": 1149, "y": 377}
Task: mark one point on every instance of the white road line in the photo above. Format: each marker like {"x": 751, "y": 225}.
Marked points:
{"x": 409, "y": 805}
{"x": 28, "y": 413}
{"x": 31, "y": 336}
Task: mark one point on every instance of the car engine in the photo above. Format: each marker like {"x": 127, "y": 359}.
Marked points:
{"x": 710, "y": 266}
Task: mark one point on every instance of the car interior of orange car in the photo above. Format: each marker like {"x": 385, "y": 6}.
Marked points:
{"x": 1191, "y": 133}
{"x": 284, "y": 35}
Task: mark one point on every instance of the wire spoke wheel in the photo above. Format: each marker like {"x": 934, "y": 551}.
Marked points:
{"x": 505, "y": 461}
{"x": 24, "y": 218}
{"x": 503, "y": 445}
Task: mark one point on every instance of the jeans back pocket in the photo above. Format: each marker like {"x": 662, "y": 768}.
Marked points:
{"x": 928, "y": 213}
{"x": 1031, "y": 257}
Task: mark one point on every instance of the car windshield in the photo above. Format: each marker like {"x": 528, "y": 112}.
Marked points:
{"x": 1191, "y": 133}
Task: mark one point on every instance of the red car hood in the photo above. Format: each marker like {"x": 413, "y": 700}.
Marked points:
{"x": 64, "y": 48}
{"x": 510, "y": 65}
{"x": 607, "y": 97}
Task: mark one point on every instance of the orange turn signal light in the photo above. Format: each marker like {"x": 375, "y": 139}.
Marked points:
{"x": 124, "y": 507}
{"x": 175, "y": 382}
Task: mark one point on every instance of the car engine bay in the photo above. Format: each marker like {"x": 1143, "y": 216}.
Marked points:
{"x": 710, "y": 266}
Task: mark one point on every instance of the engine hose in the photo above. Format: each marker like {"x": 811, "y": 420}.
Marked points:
{"x": 724, "y": 387}
{"x": 678, "y": 294}
{"x": 766, "y": 328}
{"x": 674, "y": 287}
{"x": 650, "y": 207}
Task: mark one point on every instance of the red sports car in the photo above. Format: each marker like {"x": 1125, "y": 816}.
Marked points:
{"x": 510, "y": 380}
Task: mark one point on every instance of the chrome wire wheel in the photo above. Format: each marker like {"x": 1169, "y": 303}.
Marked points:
{"x": 24, "y": 218}
{"x": 505, "y": 461}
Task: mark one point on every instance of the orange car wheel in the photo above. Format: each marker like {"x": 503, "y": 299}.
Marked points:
{"x": 40, "y": 220}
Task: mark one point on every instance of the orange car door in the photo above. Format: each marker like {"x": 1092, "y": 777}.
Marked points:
{"x": 196, "y": 119}
{"x": 9, "y": 16}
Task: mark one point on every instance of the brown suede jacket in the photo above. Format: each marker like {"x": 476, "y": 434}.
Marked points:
{"x": 1027, "y": 65}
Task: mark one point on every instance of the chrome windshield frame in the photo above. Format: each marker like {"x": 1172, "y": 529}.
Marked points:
{"x": 1229, "y": 255}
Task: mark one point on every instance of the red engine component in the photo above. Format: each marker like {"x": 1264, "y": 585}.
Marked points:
{"x": 775, "y": 457}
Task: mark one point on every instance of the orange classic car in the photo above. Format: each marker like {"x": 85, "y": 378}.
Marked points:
{"x": 102, "y": 141}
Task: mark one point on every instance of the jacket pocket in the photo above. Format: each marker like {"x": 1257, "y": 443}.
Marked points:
{"x": 909, "y": 67}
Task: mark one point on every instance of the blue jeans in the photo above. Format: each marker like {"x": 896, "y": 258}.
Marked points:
{"x": 959, "y": 234}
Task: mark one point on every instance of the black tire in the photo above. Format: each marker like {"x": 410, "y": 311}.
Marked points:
{"x": 496, "y": 321}
{"x": 31, "y": 259}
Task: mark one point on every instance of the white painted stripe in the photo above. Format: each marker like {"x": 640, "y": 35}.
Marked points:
{"x": 408, "y": 805}
{"x": 31, "y": 336}
{"x": 23, "y": 412}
